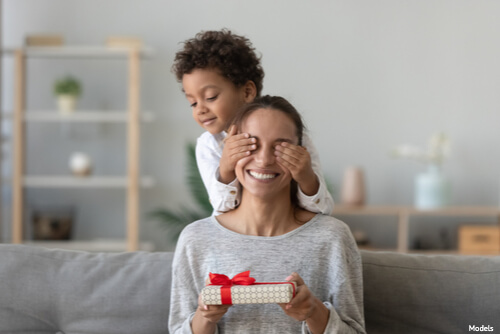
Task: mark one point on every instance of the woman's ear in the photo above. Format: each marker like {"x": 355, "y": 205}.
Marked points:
{"x": 249, "y": 91}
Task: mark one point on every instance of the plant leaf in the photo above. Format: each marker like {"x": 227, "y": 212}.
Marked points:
{"x": 195, "y": 182}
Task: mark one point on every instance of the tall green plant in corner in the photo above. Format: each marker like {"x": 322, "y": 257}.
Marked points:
{"x": 176, "y": 220}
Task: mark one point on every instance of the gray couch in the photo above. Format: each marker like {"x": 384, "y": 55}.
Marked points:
{"x": 56, "y": 291}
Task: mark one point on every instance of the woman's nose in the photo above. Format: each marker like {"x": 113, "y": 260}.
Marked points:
{"x": 265, "y": 155}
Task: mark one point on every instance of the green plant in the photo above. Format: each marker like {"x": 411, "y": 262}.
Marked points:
{"x": 67, "y": 86}
{"x": 176, "y": 220}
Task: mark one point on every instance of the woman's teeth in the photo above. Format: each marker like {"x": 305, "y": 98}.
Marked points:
{"x": 261, "y": 176}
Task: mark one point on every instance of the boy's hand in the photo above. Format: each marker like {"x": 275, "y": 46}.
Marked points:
{"x": 236, "y": 146}
{"x": 298, "y": 161}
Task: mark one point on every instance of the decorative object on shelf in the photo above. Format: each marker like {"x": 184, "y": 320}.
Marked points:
{"x": 353, "y": 187}
{"x": 432, "y": 188}
{"x": 80, "y": 164}
{"x": 67, "y": 90}
{"x": 53, "y": 223}
{"x": 479, "y": 239}
{"x": 124, "y": 42}
{"x": 176, "y": 220}
{"x": 44, "y": 40}
{"x": 360, "y": 237}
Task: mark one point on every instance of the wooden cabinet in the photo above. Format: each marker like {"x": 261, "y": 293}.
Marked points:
{"x": 131, "y": 118}
{"x": 404, "y": 214}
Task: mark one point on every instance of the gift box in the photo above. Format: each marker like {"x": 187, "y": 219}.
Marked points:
{"x": 242, "y": 289}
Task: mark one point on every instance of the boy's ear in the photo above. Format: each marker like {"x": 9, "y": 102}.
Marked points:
{"x": 250, "y": 91}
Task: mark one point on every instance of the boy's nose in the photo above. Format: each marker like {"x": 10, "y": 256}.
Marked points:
{"x": 201, "y": 108}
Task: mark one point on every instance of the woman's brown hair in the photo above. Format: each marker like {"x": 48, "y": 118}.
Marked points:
{"x": 281, "y": 104}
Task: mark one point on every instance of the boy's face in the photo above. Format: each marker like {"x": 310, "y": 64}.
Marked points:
{"x": 213, "y": 98}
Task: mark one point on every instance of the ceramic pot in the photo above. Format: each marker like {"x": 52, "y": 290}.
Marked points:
{"x": 66, "y": 103}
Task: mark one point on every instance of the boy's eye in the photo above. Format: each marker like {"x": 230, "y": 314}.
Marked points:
{"x": 213, "y": 98}
{"x": 192, "y": 105}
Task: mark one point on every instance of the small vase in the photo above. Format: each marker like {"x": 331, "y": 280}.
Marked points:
{"x": 353, "y": 187}
{"x": 432, "y": 189}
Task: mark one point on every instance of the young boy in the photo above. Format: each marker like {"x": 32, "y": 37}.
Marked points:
{"x": 220, "y": 72}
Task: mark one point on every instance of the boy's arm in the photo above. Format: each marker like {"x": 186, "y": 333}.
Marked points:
{"x": 223, "y": 197}
{"x": 322, "y": 201}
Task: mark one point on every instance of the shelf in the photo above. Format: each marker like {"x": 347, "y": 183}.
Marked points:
{"x": 97, "y": 245}
{"x": 100, "y": 116}
{"x": 77, "y": 51}
{"x": 366, "y": 210}
{"x": 404, "y": 213}
{"x": 82, "y": 182}
{"x": 476, "y": 211}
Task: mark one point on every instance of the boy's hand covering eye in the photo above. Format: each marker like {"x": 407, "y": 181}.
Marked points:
{"x": 236, "y": 146}
{"x": 297, "y": 160}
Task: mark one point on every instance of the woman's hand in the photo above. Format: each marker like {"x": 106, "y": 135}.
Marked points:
{"x": 236, "y": 146}
{"x": 298, "y": 161}
{"x": 211, "y": 313}
{"x": 306, "y": 307}
{"x": 206, "y": 317}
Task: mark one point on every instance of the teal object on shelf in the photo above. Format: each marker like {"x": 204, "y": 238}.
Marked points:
{"x": 432, "y": 189}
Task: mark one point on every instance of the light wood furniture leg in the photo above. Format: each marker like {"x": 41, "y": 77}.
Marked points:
{"x": 18, "y": 142}
{"x": 403, "y": 219}
{"x": 133, "y": 152}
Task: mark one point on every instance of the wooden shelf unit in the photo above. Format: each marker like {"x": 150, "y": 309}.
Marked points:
{"x": 404, "y": 214}
{"x": 131, "y": 118}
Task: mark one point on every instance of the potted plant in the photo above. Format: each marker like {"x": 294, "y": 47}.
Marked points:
{"x": 67, "y": 90}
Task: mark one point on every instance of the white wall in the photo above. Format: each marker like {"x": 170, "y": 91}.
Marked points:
{"x": 367, "y": 75}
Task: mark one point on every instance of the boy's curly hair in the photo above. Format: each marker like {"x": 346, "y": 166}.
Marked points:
{"x": 233, "y": 55}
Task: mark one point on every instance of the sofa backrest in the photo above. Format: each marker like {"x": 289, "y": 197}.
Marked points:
{"x": 59, "y": 291}
{"x": 421, "y": 294}
{"x": 55, "y": 291}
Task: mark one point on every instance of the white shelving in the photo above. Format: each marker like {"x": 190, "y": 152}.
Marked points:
{"x": 131, "y": 118}
{"x": 64, "y": 181}
{"x": 98, "y": 116}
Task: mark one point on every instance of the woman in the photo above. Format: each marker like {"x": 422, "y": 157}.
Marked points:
{"x": 270, "y": 235}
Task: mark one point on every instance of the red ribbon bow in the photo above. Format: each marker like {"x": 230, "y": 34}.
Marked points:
{"x": 239, "y": 279}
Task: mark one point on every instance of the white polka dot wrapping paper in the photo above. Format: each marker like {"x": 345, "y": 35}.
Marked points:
{"x": 232, "y": 292}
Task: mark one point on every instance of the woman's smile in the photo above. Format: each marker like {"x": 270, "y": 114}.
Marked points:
{"x": 262, "y": 175}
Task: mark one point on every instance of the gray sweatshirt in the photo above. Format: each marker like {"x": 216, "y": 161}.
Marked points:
{"x": 322, "y": 251}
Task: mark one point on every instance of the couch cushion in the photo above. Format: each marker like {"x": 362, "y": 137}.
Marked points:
{"x": 430, "y": 294}
{"x": 46, "y": 291}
